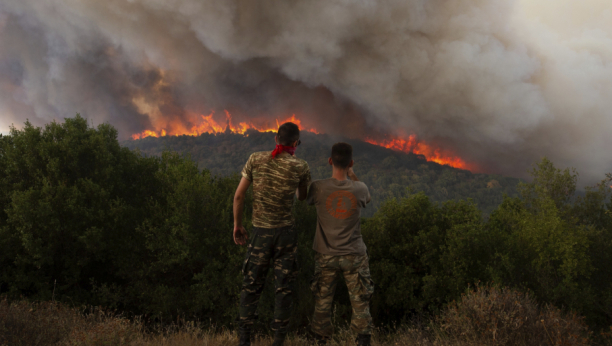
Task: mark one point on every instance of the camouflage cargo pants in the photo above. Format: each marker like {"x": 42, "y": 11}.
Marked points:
{"x": 356, "y": 273}
{"x": 279, "y": 246}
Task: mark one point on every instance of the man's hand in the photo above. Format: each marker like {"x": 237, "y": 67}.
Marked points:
{"x": 240, "y": 235}
{"x": 351, "y": 174}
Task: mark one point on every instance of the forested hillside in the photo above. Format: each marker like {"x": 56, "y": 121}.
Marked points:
{"x": 388, "y": 173}
{"x": 86, "y": 221}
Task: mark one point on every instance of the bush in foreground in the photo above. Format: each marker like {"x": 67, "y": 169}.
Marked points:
{"x": 505, "y": 317}
{"x": 84, "y": 220}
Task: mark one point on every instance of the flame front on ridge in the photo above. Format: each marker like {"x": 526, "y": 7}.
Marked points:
{"x": 412, "y": 145}
{"x": 211, "y": 126}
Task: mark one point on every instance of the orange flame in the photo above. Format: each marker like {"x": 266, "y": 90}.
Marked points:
{"x": 210, "y": 125}
{"x": 412, "y": 145}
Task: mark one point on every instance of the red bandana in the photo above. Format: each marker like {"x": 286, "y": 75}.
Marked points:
{"x": 280, "y": 148}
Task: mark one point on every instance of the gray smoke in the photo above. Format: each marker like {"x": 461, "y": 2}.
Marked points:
{"x": 500, "y": 82}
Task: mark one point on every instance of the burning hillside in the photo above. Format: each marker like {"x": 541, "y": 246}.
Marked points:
{"x": 388, "y": 173}
{"x": 494, "y": 85}
{"x": 208, "y": 124}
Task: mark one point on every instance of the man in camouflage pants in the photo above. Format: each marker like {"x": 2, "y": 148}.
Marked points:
{"x": 340, "y": 247}
{"x": 277, "y": 177}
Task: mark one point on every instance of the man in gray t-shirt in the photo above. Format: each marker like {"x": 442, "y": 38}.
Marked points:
{"x": 339, "y": 204}
{"x": 339, "y": 246}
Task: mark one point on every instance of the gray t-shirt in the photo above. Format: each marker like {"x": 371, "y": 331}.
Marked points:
{"x": 338, "y": 204}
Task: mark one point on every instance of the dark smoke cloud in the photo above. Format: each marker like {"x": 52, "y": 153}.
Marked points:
{"x": 501, "y": 82}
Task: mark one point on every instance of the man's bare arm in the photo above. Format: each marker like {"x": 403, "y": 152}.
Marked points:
{"x": 240, "y": 234}
{"x": 352, "y": 175}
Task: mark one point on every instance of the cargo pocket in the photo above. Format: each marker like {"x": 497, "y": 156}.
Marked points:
{"x": 244, "y": 264}
{"x": 248, "y": 254}
{"x": 367, "y": 285}
{"x": 287, "y": 271}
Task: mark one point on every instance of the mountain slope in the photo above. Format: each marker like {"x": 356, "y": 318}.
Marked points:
{"x": 387, "y": 173}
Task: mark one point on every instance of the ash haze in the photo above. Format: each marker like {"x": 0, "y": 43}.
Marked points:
{"x": 500, "y": 82}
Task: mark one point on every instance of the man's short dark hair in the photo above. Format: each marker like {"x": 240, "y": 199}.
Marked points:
{"x": 342, "y": 155}
{"x": 288, "y": 133}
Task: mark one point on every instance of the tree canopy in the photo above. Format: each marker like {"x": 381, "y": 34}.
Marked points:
{"x": 87, "y": 221}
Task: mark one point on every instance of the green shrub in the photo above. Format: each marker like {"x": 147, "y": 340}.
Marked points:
{"x": 91, "y": 222}
{"x": 555, "y": 245}
{"x": 423, "y": 254}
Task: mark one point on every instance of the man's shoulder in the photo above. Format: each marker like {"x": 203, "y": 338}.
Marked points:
{"x": 261, "y": 155}
{"x": 293, "y": 163}
{"x": 297, "y": 161}
{"x": 320, "y": 181}
{"x": 360, "y": 185}
{"x": 333, "y": 182}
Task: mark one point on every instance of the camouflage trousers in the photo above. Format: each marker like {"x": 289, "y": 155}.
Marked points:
{"x": 279, "y": 246}
{"x": 356, "y": 272}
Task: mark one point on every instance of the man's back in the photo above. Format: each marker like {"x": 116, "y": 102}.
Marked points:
{"x": 339, "y": 204}
{"x": 274, "y": 183}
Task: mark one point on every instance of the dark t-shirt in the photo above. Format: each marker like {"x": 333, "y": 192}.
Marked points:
{"x": 339, "y": 204}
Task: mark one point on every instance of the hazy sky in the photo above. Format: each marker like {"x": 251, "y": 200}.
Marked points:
{"x": 500, "y": 82}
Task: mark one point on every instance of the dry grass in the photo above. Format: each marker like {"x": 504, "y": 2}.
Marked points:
{"x": 483, "y": 317}
{"x": 504, "y": 317}
{"x": 23, "y": 323}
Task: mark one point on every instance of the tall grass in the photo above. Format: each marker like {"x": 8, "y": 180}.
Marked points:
{"x": 485, "y": 316}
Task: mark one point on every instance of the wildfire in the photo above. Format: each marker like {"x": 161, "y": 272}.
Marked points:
{"x": 412, "y": 145}
{"x": 209, "y": 125}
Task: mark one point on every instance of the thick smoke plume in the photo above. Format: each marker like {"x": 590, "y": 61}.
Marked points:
{"x": 500, "y": 82}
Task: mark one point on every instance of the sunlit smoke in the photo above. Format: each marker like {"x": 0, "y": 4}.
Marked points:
{"x": 499, "y": 83}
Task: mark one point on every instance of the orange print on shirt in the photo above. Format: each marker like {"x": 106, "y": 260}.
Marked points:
{"x": 341, "y": 204}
